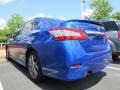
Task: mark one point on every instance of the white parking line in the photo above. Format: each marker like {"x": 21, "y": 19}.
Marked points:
{"x": 113, "y": 68}
{"x": 1, "y": 87}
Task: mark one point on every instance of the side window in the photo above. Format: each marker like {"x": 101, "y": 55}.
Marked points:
{"x": 36, "y": 24}
{"x": 43, "y": 25}
{"x": 110, "y": 26}
{"x": 118, "y": 23}
{"x": 18, "y": 32}
{"x": 28, "y": 27}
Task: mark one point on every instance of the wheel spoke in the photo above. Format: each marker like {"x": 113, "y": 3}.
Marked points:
{"x": 33, "y": 66}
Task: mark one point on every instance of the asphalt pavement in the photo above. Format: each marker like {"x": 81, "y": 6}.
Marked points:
{"x": 14, "y": 77}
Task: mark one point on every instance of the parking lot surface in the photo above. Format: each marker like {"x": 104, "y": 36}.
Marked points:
{"x": 14, "y": 77}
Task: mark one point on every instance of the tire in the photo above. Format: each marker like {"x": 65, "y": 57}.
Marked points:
{"x": 114, "y": 57}
{"x": 34, "y": 67}
{"x": 7, "y": 55}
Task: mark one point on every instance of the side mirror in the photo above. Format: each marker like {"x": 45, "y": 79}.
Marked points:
{"x": 9, "y": 36}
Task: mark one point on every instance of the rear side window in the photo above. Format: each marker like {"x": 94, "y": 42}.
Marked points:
{"x": 118, "y": 23}
{"x": 110, "y": 26}
{"x": 83, "y": 25}
{"x": 28, "y": 27}
{"x": 44, "y": 24}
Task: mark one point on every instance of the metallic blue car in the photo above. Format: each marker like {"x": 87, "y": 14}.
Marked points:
{"x": 66, "y": 50}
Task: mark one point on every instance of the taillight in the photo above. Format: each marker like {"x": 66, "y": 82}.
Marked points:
{"x": 75, "y": 65}
{"x": 118, "y": 35}
{"x": 68, "y": 34}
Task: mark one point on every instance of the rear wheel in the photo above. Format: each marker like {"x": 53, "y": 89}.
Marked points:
{"x": 114, "y": 57}
{"x": 34, "y": 67}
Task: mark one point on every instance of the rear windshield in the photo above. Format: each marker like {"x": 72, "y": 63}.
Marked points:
{"x": 83, "y": 25}
{"x": 110, "y": 26}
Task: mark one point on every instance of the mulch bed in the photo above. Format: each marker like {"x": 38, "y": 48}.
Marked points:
{"x": 3, "y": 48}
{"x": 2, "y": 58}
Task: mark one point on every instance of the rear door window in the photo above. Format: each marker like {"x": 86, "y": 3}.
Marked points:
{"x": 28, "y": 27}
{"x": 118, "y": 23}
{"x": 45, "y": 24}
{"x": 110, "y": 26}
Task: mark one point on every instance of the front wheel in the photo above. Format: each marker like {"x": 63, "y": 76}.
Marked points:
{"x": 7, "y": 54}
{"x": 34, "y": 67}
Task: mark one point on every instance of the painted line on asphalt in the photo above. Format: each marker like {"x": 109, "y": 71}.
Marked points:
{"x": 113, "y": 68}
{"x": 1, "y": 87}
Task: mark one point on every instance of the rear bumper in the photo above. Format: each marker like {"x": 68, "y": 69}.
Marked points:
{"x": 95, "y": 65}
{"x": 67, "y": 53}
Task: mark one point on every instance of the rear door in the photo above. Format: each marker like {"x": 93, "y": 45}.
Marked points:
{"x": 113, "y": 32}
{"x": 21, "y": 41}
{"x": 13, "y": 44}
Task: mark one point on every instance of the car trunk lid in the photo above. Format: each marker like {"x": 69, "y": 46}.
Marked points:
{"x": 96, "y": 40}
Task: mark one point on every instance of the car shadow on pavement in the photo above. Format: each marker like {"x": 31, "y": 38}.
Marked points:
{"x": 54, "y": 84}
{"x": 20, "y": 68}
{"x": 117, "y": 61}
{"x": 82, "y": 84}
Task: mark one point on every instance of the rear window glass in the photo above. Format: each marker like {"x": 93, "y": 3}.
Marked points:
{"x": 46, "y": 24}
{"x": 110, "y": 26}
{"x": 118, "y": 23}
{"x": 83, "y": 25}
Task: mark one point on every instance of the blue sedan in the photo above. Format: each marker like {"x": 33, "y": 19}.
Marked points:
{"x": 66, "y": 50}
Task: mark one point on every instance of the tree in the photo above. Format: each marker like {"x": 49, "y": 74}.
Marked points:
{"x": 14, "y": 22}
{"x": 3, "y": 33}
{"x": 116, "y": 16}
{"x": 102, "y": 9}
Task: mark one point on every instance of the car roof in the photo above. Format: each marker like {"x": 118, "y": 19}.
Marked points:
{"x": 72, "y": 20}
{"x": 47, "y": 19}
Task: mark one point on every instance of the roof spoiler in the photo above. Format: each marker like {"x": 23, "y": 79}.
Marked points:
{"x": 87, "y": 21}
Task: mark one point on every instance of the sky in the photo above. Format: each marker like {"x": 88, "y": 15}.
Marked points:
{"x": 61, "y": 9}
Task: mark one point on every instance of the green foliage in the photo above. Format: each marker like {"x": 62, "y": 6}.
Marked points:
{"x": 3, "y": 39}
{"x": 14, "y": 22}
{"x": 3, "y": 35}
{"x": 116, "y": 16}
{"x": 102, "y": 9}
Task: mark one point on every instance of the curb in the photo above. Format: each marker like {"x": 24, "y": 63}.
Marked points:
{"x": 2, "y": 58}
